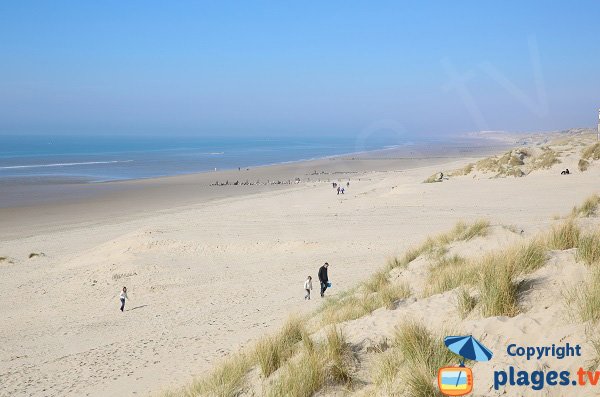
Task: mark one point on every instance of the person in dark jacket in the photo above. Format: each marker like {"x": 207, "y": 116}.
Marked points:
{"x": 323, "y": 278}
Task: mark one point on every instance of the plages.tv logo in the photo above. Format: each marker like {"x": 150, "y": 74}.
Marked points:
{"x": 458, "y": 381}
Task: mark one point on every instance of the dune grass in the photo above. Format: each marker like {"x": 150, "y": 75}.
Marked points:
{"x": 433, "y": 178}
{"x": 402, "y": 263}
{"x": 272, "y": 351}
{"x": 494, "y": 275}
{"x": 497, "y": 287}
{"x": 594, "y": 363}
{"x": 450, "y": 273}
{"x": 391, "y": 293}
{"x": 300, "y": 378}
{"x": 339, "y": 357}
{"x": 377, "y": 281}
{"x": 424, "y": 353}
{"x": 364, "y": 302}
{"x": 585, "y": 300}
{"x": 352, "y": 307}
{"x": 545, "y": 160}
{"x": 386, "y": 369}
{"x": 464, "y": 232}
{"x": 466, "y": 170}
{"x": 564, "y": 236}
{"x": 591, "y": 152}
{"x": 465, "y": 302}
{"x": 588, "y": 208}
{"x": 583, "y": 165}
{"x": 410, "y": 365}
{"x": 528, "y": 257}
{"x": 226, "y": 380}
{"x": 588, "y": 249}
{"x": 315, "y": 366}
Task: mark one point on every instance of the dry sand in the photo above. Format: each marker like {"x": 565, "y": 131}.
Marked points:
{"x": 209, "y": 272}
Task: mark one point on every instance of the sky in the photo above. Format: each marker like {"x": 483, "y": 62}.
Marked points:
{"x": 297, "y": 68}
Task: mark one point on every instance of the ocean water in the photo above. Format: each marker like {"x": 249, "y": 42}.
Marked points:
{"x": 110, "y": 158}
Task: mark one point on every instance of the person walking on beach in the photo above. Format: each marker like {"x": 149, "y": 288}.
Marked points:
{"x": 323, "y": 278}
{"x": 338, "y": 190}
{"x": 308, "y": 287}
{"x": 122, "y": 297}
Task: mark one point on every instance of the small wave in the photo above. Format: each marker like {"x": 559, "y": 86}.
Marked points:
{"x": 12, "y": 167}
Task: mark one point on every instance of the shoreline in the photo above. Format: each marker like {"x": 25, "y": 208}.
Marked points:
{"x": 47, "y": 207}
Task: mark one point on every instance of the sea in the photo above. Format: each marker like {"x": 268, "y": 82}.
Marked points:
{"x": 92, "y": 159}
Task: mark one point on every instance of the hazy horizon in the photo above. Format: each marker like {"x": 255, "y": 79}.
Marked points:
{"x": 272, "y": 69}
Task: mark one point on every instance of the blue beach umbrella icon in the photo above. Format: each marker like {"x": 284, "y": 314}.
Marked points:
{"x": 468, "y": 347}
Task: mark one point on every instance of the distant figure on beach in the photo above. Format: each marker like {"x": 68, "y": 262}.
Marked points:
{"x": 323, "y": 278}
{"x": 565, "y": 172}
{"x": 339, "y": 189}
{"x": 334, "y": 185}
{"x": 308, "y": 287}
{"x": 342, "y": 190}
{"x": 348, "y": 184}
{"x": 123, "y": 296}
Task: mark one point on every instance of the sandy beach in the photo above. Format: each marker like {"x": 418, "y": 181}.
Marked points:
{"x": 212, "y": 268}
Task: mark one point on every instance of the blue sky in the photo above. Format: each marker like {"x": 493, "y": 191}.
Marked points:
{"x": 271, "y": 68}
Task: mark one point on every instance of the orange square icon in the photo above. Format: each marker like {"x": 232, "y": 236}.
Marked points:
{"x": 455, "y": 381}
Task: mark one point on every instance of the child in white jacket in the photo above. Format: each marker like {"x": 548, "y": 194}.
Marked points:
{"x": 308, "y": 287}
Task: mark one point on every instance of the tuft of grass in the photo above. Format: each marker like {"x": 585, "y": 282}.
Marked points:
{"x": 516, "y": 172}
{"x": 545, "y": 160}
{"x": 465, "y": 303}
{"x": 564, "y": 236}
{"x": 466, "y": 170}
{"x": 583, "y": 165}
{"x": 3, "y": 258}
{"x": 497, "y": 287}
{"x": 228, "y": 379}
{"x": 585, "y": 300}
{"x": 529, "y": 257}
{"x": 377, "y": 281}
{"x": 588, "y": 208}
{"x": 424, "y": 353}
{"x": 363, "y": 303}
{"x": 588, "y": 249}
{"x": 391, "y": 293}
{"x": 339, "y": 357}
{"x": 301, "y": 378}
{"x": 594, "y": 363}
{"x": 450, "y": 273}
{"x": 591, "y": 152}
{"x": 36, "y": 254}
{"x": 479, "y": 228}
{"x": 404, "y": 261}
{"x": 272, "y": 351}
{"x": 306, "y": 374}
{"x": 437, "y": 177}
{"x": 420, "y": 383}
{"x": 386, "y": 369}
{"x": 350, "y": 308}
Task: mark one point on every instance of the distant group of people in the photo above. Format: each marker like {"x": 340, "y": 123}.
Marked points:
{"x": 258, "y": 182}
{"x": 340, "y": 188}
{"x": 323, "y": 281}
{"x": 565, "y": 172}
